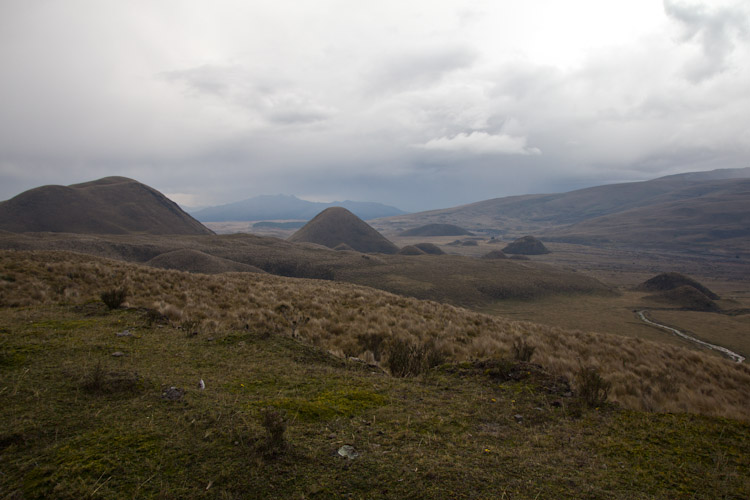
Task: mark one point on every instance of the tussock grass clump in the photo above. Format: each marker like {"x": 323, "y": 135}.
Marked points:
{"x": 592, "y": 388}
{"x": 522, "y": 350}
{"x": 99, "y": 380}
{"x": 274, "y": 423}
{"x": 114, "y": 298}
{"x": 408, "y": 358}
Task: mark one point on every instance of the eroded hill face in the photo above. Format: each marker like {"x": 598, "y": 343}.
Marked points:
{"x": 112, "y": 205}
{"x": 337, "y": 225}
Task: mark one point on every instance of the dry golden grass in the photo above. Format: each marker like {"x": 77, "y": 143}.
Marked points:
{"x": 351, "y": 320}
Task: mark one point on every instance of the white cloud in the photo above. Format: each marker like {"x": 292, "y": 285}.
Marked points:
{"x": 367, "y": 100}
{"x": 482, "y": 143}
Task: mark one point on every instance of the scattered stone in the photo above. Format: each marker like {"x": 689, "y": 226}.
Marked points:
{"x": 173, "y": 394}
{"x": 201, "y": 384}
{"x": 518, "y": 417}
{"x": 332, "y": 436}
{"x": 118, "y": 354}
{"x": 348, "y": 452}
{"x": 124, "y": 333}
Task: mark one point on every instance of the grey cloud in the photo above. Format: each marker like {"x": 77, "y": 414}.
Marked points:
{"x": 716, "y": 30}
{"x": 417, "y": 69}
{"x": 275, "y": 100}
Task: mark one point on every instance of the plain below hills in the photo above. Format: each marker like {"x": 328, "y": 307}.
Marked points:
{"x": 112, "y": 205}
{"x": 285, "y": 207}
{"x": 458, "y": 280}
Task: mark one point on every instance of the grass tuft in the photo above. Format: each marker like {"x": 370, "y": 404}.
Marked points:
{"x": 114, "y": 298}
{"x": 592, "y": 388}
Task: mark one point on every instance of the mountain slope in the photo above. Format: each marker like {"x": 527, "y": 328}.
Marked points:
{"x": 717, "y": 212}
{"x": 283, "y": 207}
{"x": 692, "y": 208}
{"x": 112, "y": 205}
{"x": 337, "y": 225}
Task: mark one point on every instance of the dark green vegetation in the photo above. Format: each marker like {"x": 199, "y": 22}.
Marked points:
{"x": 113, "y": 205}
{"x": 80, "y": 423}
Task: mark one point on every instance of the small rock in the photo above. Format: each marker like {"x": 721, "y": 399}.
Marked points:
{"x": 173, "y": 394}
{"x": 201, "y": 384}
{"x": 332, "y": 436}
{"x": 124, "y": 333}
{"x": 348, "y": 452}
{"x": 518, "y": 417}
{"x": 568, "y": 395}
{"x": 118, "y": 354}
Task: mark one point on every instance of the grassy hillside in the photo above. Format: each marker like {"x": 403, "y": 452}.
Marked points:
{"x": 454, "y": 279}
{"x": 716, "y": 215}
{"x": 703, "y": 209}
{"x": 278, "y": 406}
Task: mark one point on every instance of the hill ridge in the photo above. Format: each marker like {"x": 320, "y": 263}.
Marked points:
{"x": 111, "y": 205}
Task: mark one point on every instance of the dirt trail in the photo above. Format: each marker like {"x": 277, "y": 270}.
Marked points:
{"x": 730, "y": 354}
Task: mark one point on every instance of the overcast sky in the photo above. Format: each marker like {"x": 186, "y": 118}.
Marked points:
{"x": 417, "y": 104}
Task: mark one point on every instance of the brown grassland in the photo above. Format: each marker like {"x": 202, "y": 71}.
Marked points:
{"x": 283, "y": 394}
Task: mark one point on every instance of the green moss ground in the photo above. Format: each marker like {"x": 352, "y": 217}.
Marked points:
{"x": 80, "y": 423}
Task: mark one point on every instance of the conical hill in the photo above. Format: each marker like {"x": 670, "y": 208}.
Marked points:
{"x": 336, "y": 225}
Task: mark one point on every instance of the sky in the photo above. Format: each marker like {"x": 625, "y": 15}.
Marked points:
{"x": 421, "y": 104}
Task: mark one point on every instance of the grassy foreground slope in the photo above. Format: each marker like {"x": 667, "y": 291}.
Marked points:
{"x": 80, "y": 422}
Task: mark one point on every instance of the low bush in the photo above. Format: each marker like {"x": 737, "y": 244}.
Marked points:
{"x": 523, "y": 351}
{"x": 592, "y": 388}
{"x": 98, "y": 380}
{"x": 274, "y": 422}
{"x": 114, "y": 298}
{"x": 407, "y": 358}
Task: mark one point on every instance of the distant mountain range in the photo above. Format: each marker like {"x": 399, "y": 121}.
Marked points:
{"x": 698, "y": 209}
{"x": 285, "y": 207}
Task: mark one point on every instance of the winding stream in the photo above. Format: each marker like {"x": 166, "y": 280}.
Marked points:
{"x": 730, "y": 354}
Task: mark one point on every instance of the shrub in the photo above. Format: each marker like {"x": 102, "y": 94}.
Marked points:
{"x": 274, "y": 422}
{"x": 522, "y": 350}
{"x": 97, "y": 380}
{"x": 592, "y": 388}
{"x": 292, "y": 316}
{"x": 114, "y": 298}
{"x": 408, "y": 359}
{"x": 190, "y": 327}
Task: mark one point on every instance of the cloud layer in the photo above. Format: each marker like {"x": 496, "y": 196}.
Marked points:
{"x": 417, "y": 104}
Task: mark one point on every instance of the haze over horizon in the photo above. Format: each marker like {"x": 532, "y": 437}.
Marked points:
{"x": 418, "y": 105}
